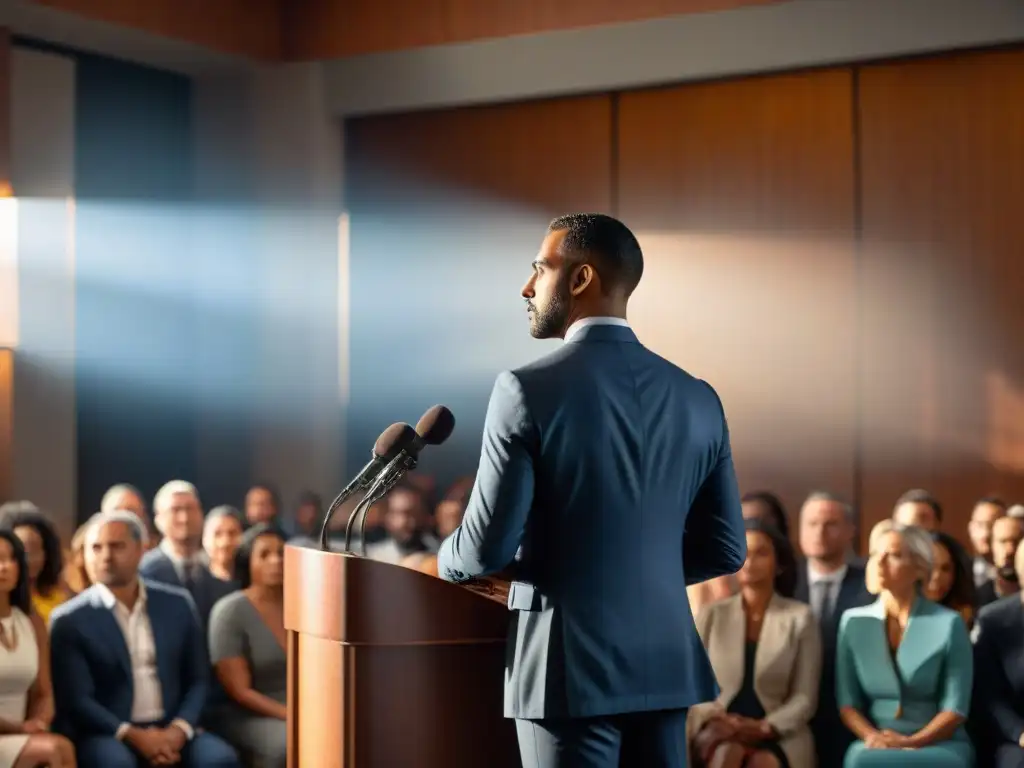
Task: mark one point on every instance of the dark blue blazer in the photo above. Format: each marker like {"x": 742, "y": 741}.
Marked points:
{"x": 608, "y": 470}
{"x": 999, "y": 668}
{"x": 208, "y": 589}
{"x": 92, "y": 673}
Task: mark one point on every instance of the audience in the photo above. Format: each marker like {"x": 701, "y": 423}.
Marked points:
{"x": 130, "y": 668}
{"x": 999, "y": 658}
{"x": 178, "y": 561}
{"x": 952, "y": 582}
{"x": 765, "y": 649}
{"x": 26, "y": 693}
{"x": 128, "y": 497}
{"x": 814, "y": 671}
{"x": 44, "y": 557}
{"x": 904, "y": 665}
{"x": 1007, "y": 533}
{"x": 247, "y": 648}
{"x": 830, "y": 583}
{"x": 986, "y": 511}
{"x": 222, "y": 531}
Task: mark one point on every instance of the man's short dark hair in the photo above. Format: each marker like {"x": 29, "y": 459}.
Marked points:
{"x": 609, "y": 242}
{"x": 919, "y": 496}
{"x": 995, "y": 501}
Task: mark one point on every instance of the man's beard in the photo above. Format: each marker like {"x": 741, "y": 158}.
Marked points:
{"x": 550, "y": 321}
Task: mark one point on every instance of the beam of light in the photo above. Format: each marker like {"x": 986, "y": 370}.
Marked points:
{"x": 8, "y": 272}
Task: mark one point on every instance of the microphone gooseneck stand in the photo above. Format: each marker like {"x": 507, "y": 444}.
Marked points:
{"x": 385, "y": 481}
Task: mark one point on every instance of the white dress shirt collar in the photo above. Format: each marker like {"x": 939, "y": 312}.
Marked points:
{"x": 584, "y": 322}
{"x": 836, "y": 577}
{"x": 110, "y": 601}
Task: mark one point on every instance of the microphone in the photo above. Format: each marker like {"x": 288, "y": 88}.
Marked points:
{"x": 434, "y": 427}
{"x": 391, "y": 442}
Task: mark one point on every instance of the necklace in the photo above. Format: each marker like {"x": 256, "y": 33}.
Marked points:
{"x": 9, "y": 640}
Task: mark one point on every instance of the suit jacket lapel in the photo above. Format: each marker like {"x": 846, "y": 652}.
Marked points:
{"x": 774, "y": 632}
{"x": 732, "y": 645}
{"x": 111, "y": 634}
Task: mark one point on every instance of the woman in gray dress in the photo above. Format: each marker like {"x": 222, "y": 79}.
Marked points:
{"x": 247, "y": 649}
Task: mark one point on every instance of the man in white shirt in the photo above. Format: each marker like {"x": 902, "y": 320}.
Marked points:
{"x": 130, "y": 669}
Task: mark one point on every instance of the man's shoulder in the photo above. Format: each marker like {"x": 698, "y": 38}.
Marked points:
{"x": 70, "y": 609}
{"x": 160, "y": 594}
{"x": 1003, "y": 611}
{"x": 153, "y": 557}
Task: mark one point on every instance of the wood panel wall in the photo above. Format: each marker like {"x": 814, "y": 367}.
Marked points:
{"x": 838, "y": 252}
{"x": 734, "y": 189}
{"x": 327, "y": 29}
{"x": 942, "y": 364}
{"x": 5, "y": 112}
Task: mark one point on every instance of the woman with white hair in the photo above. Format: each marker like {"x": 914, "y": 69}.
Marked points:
{"x": 904, "y": 664}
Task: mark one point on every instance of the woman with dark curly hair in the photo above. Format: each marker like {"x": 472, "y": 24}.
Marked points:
{"x": 952, "y": 583}
{"x": 26, "y": 693}
{"x": 44, "y": 556}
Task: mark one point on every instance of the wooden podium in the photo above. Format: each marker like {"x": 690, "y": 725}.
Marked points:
{"x": 391, "y": 668}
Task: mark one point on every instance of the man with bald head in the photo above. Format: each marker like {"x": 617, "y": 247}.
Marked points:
{"x": 130, "y": 669}
{"x": 606, "y": 482}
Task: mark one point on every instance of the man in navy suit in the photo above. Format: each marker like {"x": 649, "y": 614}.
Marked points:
{"x": 179, "y": 560}
{"x": 606, "y": 482}
{"x": 130, "y": 669}
{"x": 999, "y": 679}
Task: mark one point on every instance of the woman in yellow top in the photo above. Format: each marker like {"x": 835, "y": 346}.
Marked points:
{"x": 43, "y": 555}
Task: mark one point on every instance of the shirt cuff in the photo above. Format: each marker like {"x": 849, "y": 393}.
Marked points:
{"x": 122, "y": 731}
{"x": 184, "y": 727}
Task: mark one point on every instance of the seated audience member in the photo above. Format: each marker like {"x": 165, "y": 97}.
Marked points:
{"x": 44, "y": 556}
{"x": 920, "y": 508}
{"x": 263, "y": 505}
{"x": 247, "y": 648}
{"x": 129, "y": 662}
{"x": 765, "y": 650}
{"x": 76, "y": 577}
{"x": 178, "y": 560}
{"x": 903, "y": 664}
{"x": 309, "y": 515}
{"x": 26, "y": 695}
{"x": 984, "y": 514}
{"x": 766, "y": 506}
{"x": 1007, "y": 533}
{"x": 405, "y": 509}
{"x": 222, "y": 530}
{"x": 128, "y": 497}
{"x": 952, "y": 582}
{"x": 830, "y": 583}
{"x": 999, "y": 671}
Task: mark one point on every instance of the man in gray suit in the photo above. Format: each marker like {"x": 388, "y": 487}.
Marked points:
{"x": 606, "y": 485}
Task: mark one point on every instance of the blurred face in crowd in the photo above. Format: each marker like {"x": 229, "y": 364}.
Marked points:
{"x": 1007, "y": 533}
{"x": 448, "y": 517}
{"x": 760, "y": 566}
{"x": 220, "y": 539}
{"x": 128, "y": 501}
{"x": 112, "y": 554}
{"x": 941, "y": 580}
{"x": 979, "y": 529}
{"x": 259, "y": 506}
{"x": 266, "y": 565}
{"x": 35, "y": 551}
{"x": 916, "y": 513}
{"x": 825, "y": 531}
{"x": 8, "y": 568}
{"x": 404, "y": 510}
{"x": 306, "y": 516}
{"x": 756, "y": 509}
{"x": 897, "y": 570}
{"x": 547, "y": 294}
{"x": 181, "y": 518}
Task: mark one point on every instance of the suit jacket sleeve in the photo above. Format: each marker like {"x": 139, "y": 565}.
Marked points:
{"x": 802, "y": 703}
{"x": 195, "y": 667}
{"x": 495, "y": 518}
{"x": 715, "y": 542}
{"x": 994, "y": 690}
{"x": 74, "y": 687}
{"x": 848, "y": 689}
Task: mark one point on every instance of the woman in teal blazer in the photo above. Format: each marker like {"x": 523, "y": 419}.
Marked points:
{"x": 904, "y": 664}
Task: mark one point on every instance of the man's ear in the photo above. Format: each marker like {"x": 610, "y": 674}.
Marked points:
{"x": 583, "y": 277}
